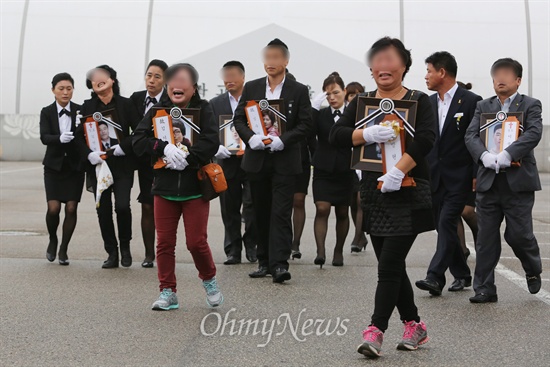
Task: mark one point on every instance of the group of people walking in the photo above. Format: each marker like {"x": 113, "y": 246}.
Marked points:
{"x": 268, "y": 180}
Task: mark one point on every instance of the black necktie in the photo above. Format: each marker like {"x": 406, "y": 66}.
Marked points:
{"x": 64, "y": 112}
{"x": 148, "y": 100}
{"x": 336, "y": 113}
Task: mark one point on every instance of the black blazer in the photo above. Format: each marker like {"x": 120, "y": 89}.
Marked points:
{"x": 221, "y": 106}
{"x": 138, "y": 99}
{"x": 328, "y": 157}
{"x": 56, "y": 152}
{"x": 451, "y": 164}
{"x": 298, "y": 126}
{"x": 128, "y": 118}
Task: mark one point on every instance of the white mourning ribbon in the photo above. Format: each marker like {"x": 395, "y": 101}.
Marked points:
{"x": 177, "y": 115}
{"x": 98, "y": 117}
{"x": 500, "y": 117}
{"x": 264, "y": 105}
{"x": 226, "y": 124}
{"x": 386, "y": 107}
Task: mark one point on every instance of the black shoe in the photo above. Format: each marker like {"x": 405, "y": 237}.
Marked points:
{"x": 111, "y": 262}
{"x": 358, "y": 248}
{"x": 126, "y": 259}
{"x": 261, "y": 272}
{"x": 50, "y": 251}
{"x": 484, "y": 298}
{"x": 429, "y": 285}
{"x": 281, "y": 274}
{"x": 337, "y": 263}
{"x": 319, "y": 261}
{"x": 50, "y": 257}
{"x": 295, "y": 254}
{"x": 232, "y": 260}
{"x": 459, "y": 284}
{"x": 147, "y": 264}
{"x": 250, "y": 253}
{"x": 63, "y": 258}
{"x": 534, "y": 283}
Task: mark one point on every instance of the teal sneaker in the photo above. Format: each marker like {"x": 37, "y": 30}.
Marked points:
{"x": 214, "y": 297}
{"x": 167, "y": 301}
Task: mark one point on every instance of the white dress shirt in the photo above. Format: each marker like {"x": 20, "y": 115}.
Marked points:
{"x": 64, "y": 121}
{"x": 149, "y": 105}
{"x": 341, "y": 109}
{"x": 233, "y": 102}
{"x": 507, "y": 102}
{"x": 443, "y": 105}
{"x": 276, "y": 94}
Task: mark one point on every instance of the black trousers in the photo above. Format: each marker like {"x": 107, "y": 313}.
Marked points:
{"x": 394, "y": 287}
{"x": 499, "y": 203}
{"x": 121, "y": 189}
{"x": 236, "y": 196}
{"x": 272, "y": 199}
{"x": 447, "y": 209}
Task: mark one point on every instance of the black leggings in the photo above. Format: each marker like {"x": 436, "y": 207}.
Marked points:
{"x": 394, "y": 287}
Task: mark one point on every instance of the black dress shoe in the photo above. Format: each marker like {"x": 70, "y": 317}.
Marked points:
{"x": 484, "y": 298}
{"x": 429, "y": 285}
{"x": 319, "y": 261}
{"x": 50, "y": 257}
{"x": 250, "y": 253}
{"x": 459, "y": 284}
{"x": 62, "y": 256}
{"x": 261, "y": 272}
{"x": 111, "y": 262}
{"x": 232, "y": 260}
{"x": 126, "y": 259}
{"x": 534, "y": 283}
{"x": 147, "y": 264}
{"x": 50, "y": 251}
{"x": 295, "y": 254}
{"x": 281, "y": 274}
{"x": 337, "y": 263}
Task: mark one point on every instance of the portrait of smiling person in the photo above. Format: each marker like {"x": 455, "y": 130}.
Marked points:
{"x": 196, "y": 183}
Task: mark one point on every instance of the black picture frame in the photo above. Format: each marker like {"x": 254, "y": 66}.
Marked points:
{"x": 274, "y": 109}
{"x": 489, "y": 124}
{"x": 369, "y": 157}
{"x": 228, "y": 136}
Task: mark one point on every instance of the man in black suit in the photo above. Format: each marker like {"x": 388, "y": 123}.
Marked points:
{"x": 238, "y": 187}
{"x": 143, "y": 101}
{"x": 451, "y": 171}
{"x": 505, "y": 190}
{"x": 272, "y": 167}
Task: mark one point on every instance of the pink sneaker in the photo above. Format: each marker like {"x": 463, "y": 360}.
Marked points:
{"x": 372, "y": 342}
{"x": 415, "y": 334}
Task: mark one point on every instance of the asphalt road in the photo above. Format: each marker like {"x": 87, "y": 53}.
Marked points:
{"x": 82, "y": 315}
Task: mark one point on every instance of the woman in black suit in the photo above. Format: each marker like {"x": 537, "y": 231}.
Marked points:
{"x": 63, "y": 175}
{"x": 120, "y": 158}
{"x": 395, "y": 215}
{"x": 332, "y": 177}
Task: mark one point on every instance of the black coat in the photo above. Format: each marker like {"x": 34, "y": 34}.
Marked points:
{"x": 451, "y": 164}
{"x": 298, "y": 126}
{"x": 138, "y": 99}
{"x": 56, "y": 152}
{"x": 406, "y": 211}
{"x": 171, "y": 182}
{"x": 328, "y": 157}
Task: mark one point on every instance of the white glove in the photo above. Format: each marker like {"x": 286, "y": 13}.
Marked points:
{"x": 178, "y": 166}
{"x": 174, "y": 155}
{"x": 78, "y": 118}
{"x": 489, "y": 160}
{"x": 95, "y": 158}
{"x": 378, "y": 134}
{"x": 118, "y": 151}
{"x": 276, "y": 144}
{"x": 504, "y": 160}
{"x": 318, "y": 100}
{"x": 223, "y": 153}
{"x": 392, "y": 180}
{"x": 66, "y": 137}
{"x": 256, "y": 142}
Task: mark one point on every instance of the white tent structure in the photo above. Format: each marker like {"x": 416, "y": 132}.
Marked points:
{"x": 41, "y": 38}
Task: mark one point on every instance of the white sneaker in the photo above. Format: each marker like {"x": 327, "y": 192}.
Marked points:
{"x": 214, "y": 297}
{"x": 166, "y": 301}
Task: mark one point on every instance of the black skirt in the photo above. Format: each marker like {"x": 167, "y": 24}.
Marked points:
{"x": 65, "y": 185}
{"x": 302, "y": 180}
{"x": 335, "y": 188}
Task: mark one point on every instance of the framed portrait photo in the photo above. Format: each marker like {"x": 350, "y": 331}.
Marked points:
{"x": 102, "y": 130}
{"x": 499, "y": 130}
{"x": 229, "y": 137}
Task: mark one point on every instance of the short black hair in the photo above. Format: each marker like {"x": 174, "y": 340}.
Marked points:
{"x": 60, "y": 77}
{"x": 277, "y": 43}
{"x": 112, "y": 75}
{"x": 172, "y": 70}
{"x": 508, "y": 63}
{"x": 443, "y": 60}
{"x": 159, "y": 63}
{"x": 333, "y": 78}
{"x": 387, "y": 42}
{"x": 234, "y": 64}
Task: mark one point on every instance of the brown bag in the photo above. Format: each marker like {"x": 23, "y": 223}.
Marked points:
{"x": 212, "y": 181}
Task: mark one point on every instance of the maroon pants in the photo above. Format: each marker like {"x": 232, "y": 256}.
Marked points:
{"x": 195, "y": 220}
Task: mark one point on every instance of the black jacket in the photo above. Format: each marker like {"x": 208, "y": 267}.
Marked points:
{"x": 298, "y": 126}
{"x": 128, "y": 118}
{"x": 451, "y": 164}
{"x": 138, "y": 99}
{"x": 56, "y": 152}
{"x": 328, "y": 157}
{"x": 171, "y": 182}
